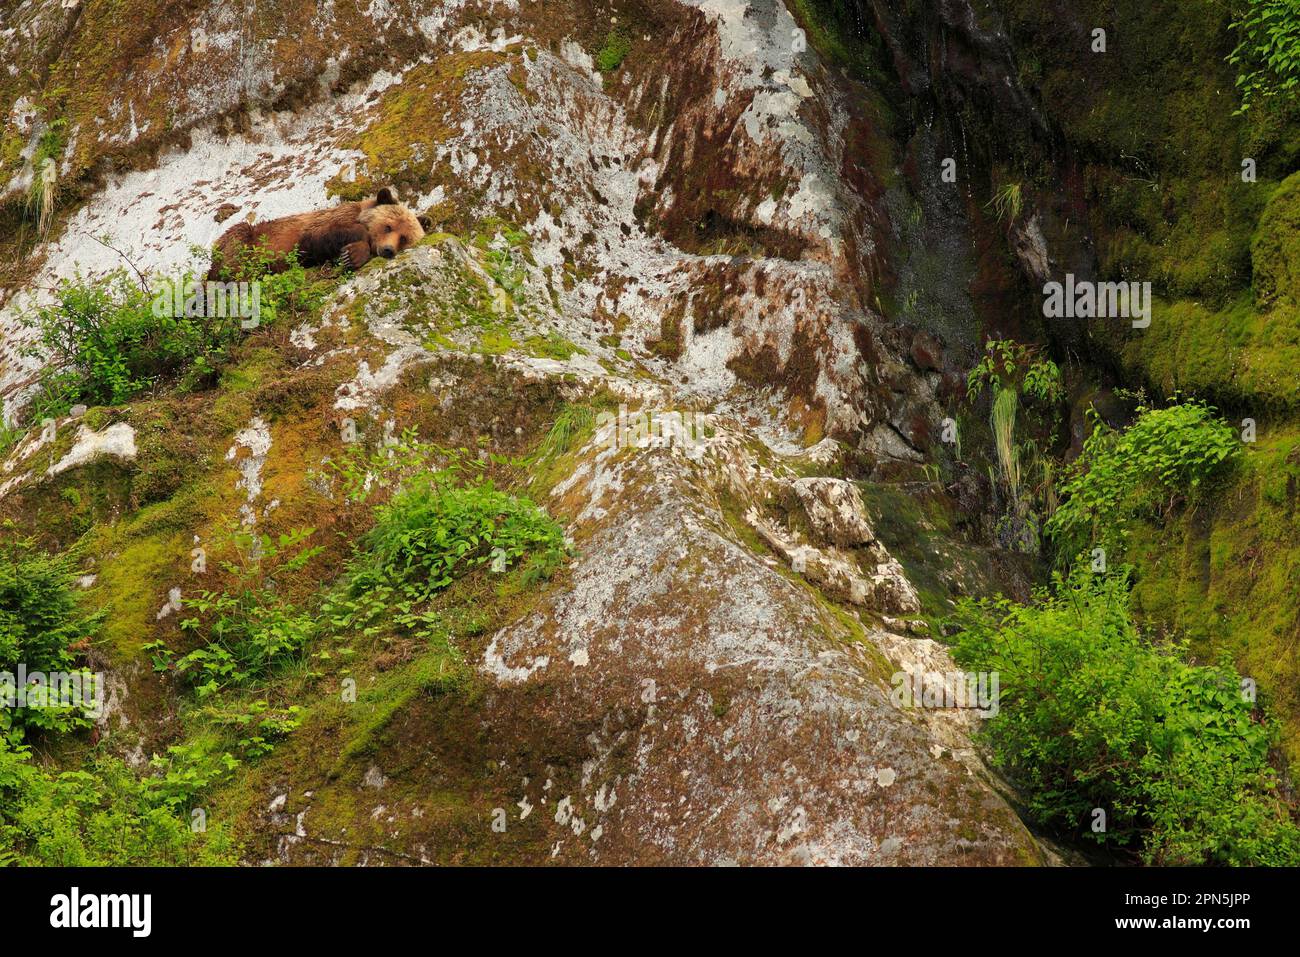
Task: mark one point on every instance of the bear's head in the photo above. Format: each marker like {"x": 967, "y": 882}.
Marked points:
{"x": 390, "y": 225}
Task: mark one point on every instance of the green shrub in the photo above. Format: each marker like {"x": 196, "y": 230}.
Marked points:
{"x": 1091, "y": 716}
{"x": 188, "y": 770}
{"x": 233, "y": 734}
{"x": 433, "y": 532}
{"x": 506, "y": 270}
{"x": 444, "y": 519}
{"x": 102, "y": 816}
{"x": 256, "y": 726}
{"x": 1165, "y": 458}
{"x": 42, "y": 195}
{"x": 39, "y": 620}
{"x": 287, "y": 288}
{"x": 1268, "y": 51}
{"x": 102, "y": 344}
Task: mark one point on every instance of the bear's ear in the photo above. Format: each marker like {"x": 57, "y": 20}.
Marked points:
{"x": 385, "y": 197}
{"x": 426, "y": 222}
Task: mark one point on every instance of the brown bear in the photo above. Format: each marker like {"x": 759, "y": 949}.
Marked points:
{"x": 351, "y": 233}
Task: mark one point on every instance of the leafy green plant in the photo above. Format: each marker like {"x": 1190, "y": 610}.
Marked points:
{"x": 249, "y": 630}
{"x": 39, "y": 621}
{"x": 433, "y": 532}
{"x": 365, "y": 470}
{"x": 103, "y": 344}
{"x": 1026, "y": 390}
{"x": 1268, "y": 50}
{"x": 1007, "y": 364}
{"x": 188, "y": 770}
{"x": 1165, "y": 458}
{"x": 444, "y": 519}
{"x": 1042, "y": 383}
{"x": 230, "y": 735}
{"x": 1093, "y": 717}
{"x": 288, "y": 290}
{"x": 103, "y": 815}
{"x": 257, "y": 726}
{"x": 505, "y": 270}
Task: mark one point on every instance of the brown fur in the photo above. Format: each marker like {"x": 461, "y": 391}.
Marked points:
{"x": 350, "y": 232}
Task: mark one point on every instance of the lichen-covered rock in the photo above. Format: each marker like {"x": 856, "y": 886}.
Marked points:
{"x": 835, "y": 510}
{"x": 117, "y": 441}
{"x": 734, "y": 718}
{"x": 699, "y": 230}
{"x": 691, "y": 203}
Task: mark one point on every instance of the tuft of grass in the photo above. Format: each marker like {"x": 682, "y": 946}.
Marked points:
{"x": 42, "y": 198}
{"x": 1007, "y": 203}
{"x": 1003, "y": 421}
{"x": 573, "y": 422}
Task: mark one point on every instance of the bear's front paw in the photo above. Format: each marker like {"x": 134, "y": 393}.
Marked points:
{"x": 355, "y": 255}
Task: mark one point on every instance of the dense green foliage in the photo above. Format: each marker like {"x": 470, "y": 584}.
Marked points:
{"x": 39, "y": 621}
{"x": 1093, "y": 717}
{"x": 104, "y": 342}
{"x": 103, "y": 815}
{"x": 249, "y": 629}
{"x": 1268, "y": 54}
{"x": 1167, "y": 457}
{"x": 433, "y": 532}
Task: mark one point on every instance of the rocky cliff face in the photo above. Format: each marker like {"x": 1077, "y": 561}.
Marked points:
{"x": 1134, "y": 164}
{"x": 695, "y": 229}
{"x": 715, "y": 210}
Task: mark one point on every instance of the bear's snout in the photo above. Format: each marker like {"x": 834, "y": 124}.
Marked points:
{"x": 387, "y": 252}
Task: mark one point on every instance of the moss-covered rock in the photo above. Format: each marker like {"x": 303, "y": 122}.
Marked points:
{"x": 1275, "y": 249}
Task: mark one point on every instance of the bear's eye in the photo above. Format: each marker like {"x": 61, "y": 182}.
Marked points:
{"x": 401, "y": 243}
